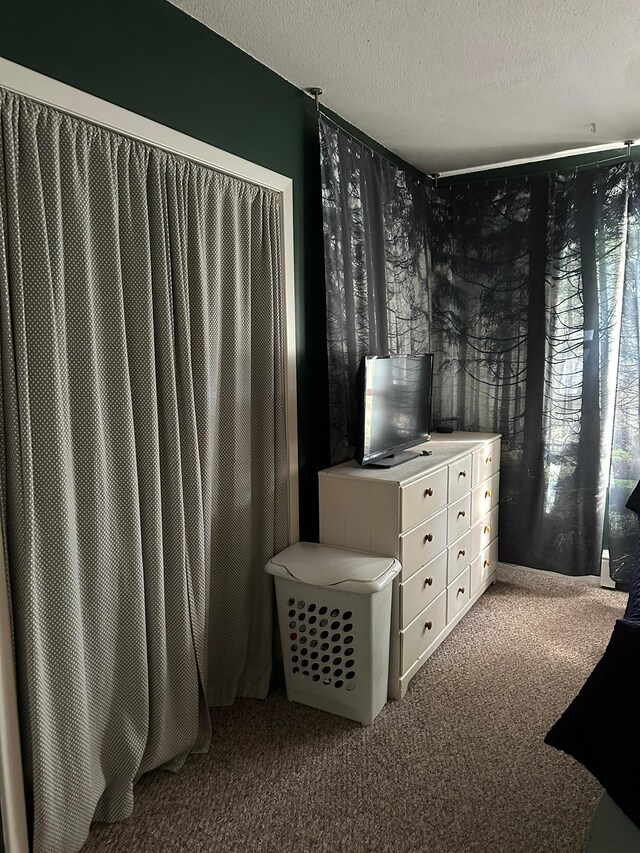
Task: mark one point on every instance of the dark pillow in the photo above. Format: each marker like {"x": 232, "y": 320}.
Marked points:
{"x": 601, "y": 727}
{"x": 634, "y": 501}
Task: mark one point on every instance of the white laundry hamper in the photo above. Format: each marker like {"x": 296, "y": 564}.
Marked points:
{"x": 334, "y": 609}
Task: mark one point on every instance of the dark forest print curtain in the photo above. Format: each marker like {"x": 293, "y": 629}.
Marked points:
{"x": 526, "y": 291}
{"x": 375, "y": 225}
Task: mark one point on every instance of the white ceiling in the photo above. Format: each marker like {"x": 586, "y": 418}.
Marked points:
{"x": 450, "y": 84}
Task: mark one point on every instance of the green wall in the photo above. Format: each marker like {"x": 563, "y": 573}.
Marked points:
{"x": 151, "y": 58}
{"x": 147, "y": 56}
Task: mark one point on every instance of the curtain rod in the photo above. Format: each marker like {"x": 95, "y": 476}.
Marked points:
{"x": 621, "y": 158}
{"x": 434, "y": 177}
{"x": 542, "y": 158}
{"x": 415, "y": 171}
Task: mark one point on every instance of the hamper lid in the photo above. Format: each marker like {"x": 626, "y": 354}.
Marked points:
{"x": 324, "y": 565}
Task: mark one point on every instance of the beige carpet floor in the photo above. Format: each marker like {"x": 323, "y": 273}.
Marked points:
{"x": 459, "y": 765}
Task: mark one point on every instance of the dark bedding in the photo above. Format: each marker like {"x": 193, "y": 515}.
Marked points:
{"x": 599, "y": 728}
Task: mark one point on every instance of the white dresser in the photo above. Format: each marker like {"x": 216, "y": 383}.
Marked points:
{"x": 438, "y": 515}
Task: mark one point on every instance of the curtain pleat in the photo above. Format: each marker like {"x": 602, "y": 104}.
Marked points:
{"x": 144, "y": 467}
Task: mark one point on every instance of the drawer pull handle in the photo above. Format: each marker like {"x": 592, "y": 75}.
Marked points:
{"x": 489, "y": 458}
{"x": 428, "y": 625}
{"x": 461, "y": 589}
{"x": 462, "y": 513}
{"x": 487, "y": 528}
{"x": 428, "y": 581}
{"x": 487, "y": 563}
{"x": 487, "y": 494}
{"x": 462, "y": 553}
{"x": 428, "y": 492}
{"x": 463, "y": 473}
{"x": 427, "y": 538}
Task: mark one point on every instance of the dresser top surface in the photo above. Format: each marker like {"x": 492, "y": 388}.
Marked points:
{"x": 445, "y": 448}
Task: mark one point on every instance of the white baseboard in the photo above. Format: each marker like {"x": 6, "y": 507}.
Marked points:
{"x": 605, "y": 572}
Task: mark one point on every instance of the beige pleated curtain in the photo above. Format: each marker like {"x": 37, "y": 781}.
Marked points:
{"x": 143, "y": 454}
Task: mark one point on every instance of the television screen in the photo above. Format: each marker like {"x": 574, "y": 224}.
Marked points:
{"x": 394, "y": 404}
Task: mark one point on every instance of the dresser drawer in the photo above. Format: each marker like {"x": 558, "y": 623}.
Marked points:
{"x": 486, "y": 461}
{"x": 425, "y": 628}
{"x": 458, "y": 594}
{"x": 458, "y": 556}
{"x": 460, "y": 478}
{"x": 484, "y": 566}
{"x": 484, "y": 531}
{"x": 459, "y": 518}
{"x": 422, "y": 588}
{"x": 423, "y": 543}
{"x": 423, "y": 498}
{"x": 485, "y": 497}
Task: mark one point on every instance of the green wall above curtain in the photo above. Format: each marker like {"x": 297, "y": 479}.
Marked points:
{"x": 151, "y": 58}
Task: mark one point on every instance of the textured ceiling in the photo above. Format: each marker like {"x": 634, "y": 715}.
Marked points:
{"x": 450, "y": 84}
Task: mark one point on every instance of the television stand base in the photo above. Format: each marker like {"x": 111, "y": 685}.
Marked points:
{"x": 393, "y": 459}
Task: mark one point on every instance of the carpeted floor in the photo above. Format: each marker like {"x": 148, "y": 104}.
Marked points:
{"x": 458, "y": 765}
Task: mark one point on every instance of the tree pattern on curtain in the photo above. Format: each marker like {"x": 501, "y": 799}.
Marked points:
{"x": 529, "y": 302}
{"x": 375, "y": 226}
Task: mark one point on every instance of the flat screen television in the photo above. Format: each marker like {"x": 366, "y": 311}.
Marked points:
{"x": 393, "y": 407}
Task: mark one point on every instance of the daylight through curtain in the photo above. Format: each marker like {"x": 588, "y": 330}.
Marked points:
{"x": 376, "y": 262}
{"x": 143, "y": 460}
{"x": 529, "y": 301}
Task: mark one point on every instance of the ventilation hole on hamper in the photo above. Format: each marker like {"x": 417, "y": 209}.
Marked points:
{"x": 313, "y": 643}
{"x": 306, "y": 672}
{"x": 335, "y": 638}
{"x": 351, "y": 685}
{"x": 336, "y": 650}
{"x": 351, "y": 674}
{"x": 315, "y": 677}
{"x": 292, "y": 613}
{"x": 326, "y": 681}
{"x": 293, "y": 636}
{"x": 315, "y": 667}
{"x": 348, "y": 652}
{"x": 314, "y": 655}
{"x": 300, "y": 605}
{"x": 334, "y": 613}
{"x": 313, "y": 620}
{"x": 324, "y": 635}
{"x": 302, "y": 616}
{"x": 294, "y": 647}
{"x": 302, "y": 628}
{"x": 311, "y": 608}
{"x": 348, "y": 640}
{"x": 295, "y": 658}
{"x": 296, "y": 669}
{"x": 337, "y": 673}
{"x": 335, "y": 626}
{"x": 324, "y": 623}
{"x": 291, "y": 602}
{"x": 322, "y": 611}
{"x": 292, "y": 624}
{"x": 347, "y": 614}
{"x": 338, "y": 683}
{"x": 348, "y": 628}
{"x": 326, "y": 669}
{"x": 349, "y": 663}
{"x": 337, "y": 661}
{"x": 305, "y": 662}
{"x": 325, "y": 658}
{"x": 313, "y": 631}
{"x": 324, "y": 646}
